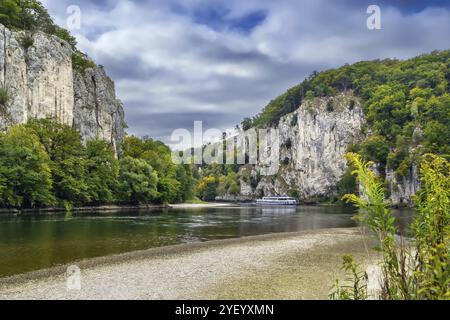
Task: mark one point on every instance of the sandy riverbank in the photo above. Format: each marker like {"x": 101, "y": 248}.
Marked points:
{"x": 113, "y": 208}
{"x": 202, "y": 205}
{"x": 278, "y": 266}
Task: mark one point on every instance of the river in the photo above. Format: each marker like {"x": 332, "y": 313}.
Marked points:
{"x": 34, "y": 242}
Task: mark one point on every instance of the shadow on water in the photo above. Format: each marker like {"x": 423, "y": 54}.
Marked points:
{"x": 34, "y": 242}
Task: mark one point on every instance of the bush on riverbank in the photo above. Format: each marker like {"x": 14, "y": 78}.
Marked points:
{"x": 420, "y": 268}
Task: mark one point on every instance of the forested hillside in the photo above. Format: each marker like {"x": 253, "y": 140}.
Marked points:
{"x": 406, "y": 104}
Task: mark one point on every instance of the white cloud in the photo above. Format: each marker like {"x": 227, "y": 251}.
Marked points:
{"x": 164, "y": 62}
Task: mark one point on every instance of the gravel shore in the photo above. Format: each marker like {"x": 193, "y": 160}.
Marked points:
{"x": 276, "y": 266}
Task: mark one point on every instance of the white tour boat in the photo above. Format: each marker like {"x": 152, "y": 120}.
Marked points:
{"x": 279, "y": 200}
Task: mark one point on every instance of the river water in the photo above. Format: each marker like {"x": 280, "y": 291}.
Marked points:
{"x": 30, "y": 243}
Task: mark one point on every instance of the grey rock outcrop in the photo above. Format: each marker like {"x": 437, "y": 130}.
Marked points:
{"x": 97, "y": 112}
{"x": 313, "y": 142}
{"x": 402, "y": 190}
{"x": 37, "y": 74}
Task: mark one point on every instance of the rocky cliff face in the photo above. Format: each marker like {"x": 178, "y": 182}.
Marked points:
{"x": 313, "y": 142}
{"x": 36, "y": 72}
{"x": 402, "y": 190}
{"x": 97, "y": 112}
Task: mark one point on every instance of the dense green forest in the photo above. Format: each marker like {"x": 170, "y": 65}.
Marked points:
{"x": 44, "y": 163}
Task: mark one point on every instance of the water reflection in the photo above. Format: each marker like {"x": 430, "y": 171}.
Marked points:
{"x": 35, "y": 242}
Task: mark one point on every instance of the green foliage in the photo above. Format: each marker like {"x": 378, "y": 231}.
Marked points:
{"x": 437, "y": 137}
{"x": 246, "y": 124}
{"x": 168, "y": 189}
{"x": 418, "y": 269}
{"x": 207, "y": 188}
{"x": 53, "y": 167}
{"x": 66, "y": 36}
{"x": 176, "y": 183}
{"x": 68, "y": 159}
{"x": 138, "y": 181}
{"x": 228, "y": 184}
{"x": 31, "y": 15}
{"x": 375, "y": 149}
{"x": 431, "y": 231}
{"x": 355, "y": 287}
{"x": 102, "y": 171}
{"x": 25, "y": 171}
{"x": 347, "y": 184}
{"x": 9, "y": 12}
{"x": 186, "y": 190}
{"x": 26, "y": 41}
{"x": 81, "y": 63}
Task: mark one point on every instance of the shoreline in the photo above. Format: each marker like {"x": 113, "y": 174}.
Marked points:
{"x": 119, "y": 208}
{"x": 273, "y": 266}
{"x": 112, "y": 208}
{"x": 50, "y": 211}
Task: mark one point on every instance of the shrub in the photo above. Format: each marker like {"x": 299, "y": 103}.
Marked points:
{"x": 26, "y": 41}
{"x": 25, "y": 169}
{"x": 419, "y": 269}
{"x": 376, "y": 149}
{"x": 65, "y": 35}
{"x": 355, "y": 287}
{"x": 80, "y": 62}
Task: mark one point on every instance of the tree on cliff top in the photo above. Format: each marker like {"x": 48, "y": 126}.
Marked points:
{"x": 31, "y": 15}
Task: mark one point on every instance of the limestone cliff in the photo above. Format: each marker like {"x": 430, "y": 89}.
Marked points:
{"x": 97, "y": 112}
{"x": 36, "y": 72}
{"x": 402, "y": 190}
{"x": 313, "y": 142}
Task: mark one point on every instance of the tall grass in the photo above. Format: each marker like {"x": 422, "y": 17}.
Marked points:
{"x": 415, "y": 269}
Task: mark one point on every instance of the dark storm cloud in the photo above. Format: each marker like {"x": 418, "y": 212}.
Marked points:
{"x": 222, "y": 60}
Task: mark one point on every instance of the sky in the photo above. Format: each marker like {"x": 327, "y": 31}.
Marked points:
{"x": 217, "y": 61}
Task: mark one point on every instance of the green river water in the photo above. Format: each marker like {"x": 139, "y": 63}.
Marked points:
{"x": 35, "y": 242}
